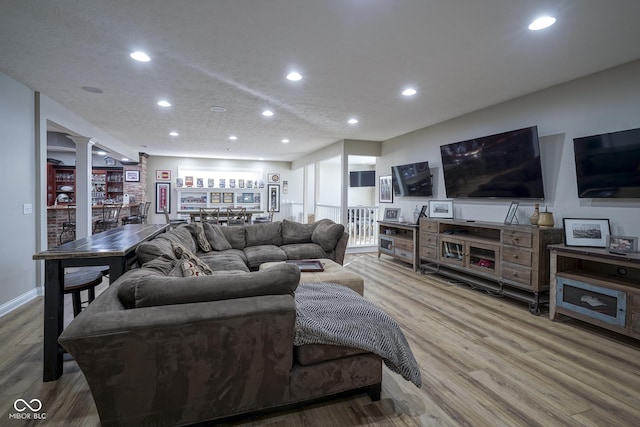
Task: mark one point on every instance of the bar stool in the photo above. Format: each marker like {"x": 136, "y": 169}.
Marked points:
{"x": 69, "y": 226}
{"x": 110, "y": 217}
{"x": 85, "y": 279}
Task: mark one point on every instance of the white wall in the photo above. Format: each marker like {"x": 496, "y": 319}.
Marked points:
{"x": 18, "y": 175}
{"x": 603, "y": 102}
{"x": 294, "y": 178}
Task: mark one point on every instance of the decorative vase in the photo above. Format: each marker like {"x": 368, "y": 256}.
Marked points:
{"x": 536, "y": 214}
{"x": 546, "y": 219}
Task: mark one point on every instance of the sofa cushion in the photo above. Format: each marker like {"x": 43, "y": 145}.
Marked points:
{"x": 201, "y": 238}
{"x": 310, "y": 354}
{"x": 231, "y": 259}
{"x": 264, "y": 234}
{"x": 184, "y": 254}
{"x": 303, "y": 251}
{"x": 216, "y": 237}
{"x": 235, "y": 236}
{"x": 191, "y": 268}
{"x": 257, "y": 255}
{"x": 222, "y": 285}
{"x": 327, "y": 234}
{"x": 295, "y": 232}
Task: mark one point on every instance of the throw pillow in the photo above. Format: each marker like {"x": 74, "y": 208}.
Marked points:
{"x": 201, "y": 238}
{"x": 216, "y": 237}
{"x": 190, "y": 269}
{"x": 327, "y": 234}
{"x": 185, "y": 254}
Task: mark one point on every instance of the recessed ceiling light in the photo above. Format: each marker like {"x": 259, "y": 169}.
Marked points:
{"x": 140, "y": 56}
{"x": 542, "y": 23}
{"x": 164, "y": 103}
{"x": 285, "y": 141}
{"x": 92, "y": 89}
{"x": 233, "y": 137}
{"x": 294, "y": 76}
{"x": 409, "y": 91}
{"x": 101, "y": 153}
{"x": 352, "y": 121}
{"x": 267, "y": 113}
{"x": 174, "y": 133}
{"x": 124, "y": 159}
{"x": 218, "y": 109}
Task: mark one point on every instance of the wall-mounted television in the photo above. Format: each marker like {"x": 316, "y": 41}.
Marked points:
{"x": 412, "y": 180}
{"x": 362, "y": 178}
{"x": 505, "y": 165}
{"x": 608, "y": 165}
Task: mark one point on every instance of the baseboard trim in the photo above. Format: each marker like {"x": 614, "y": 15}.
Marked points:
{"x": 19, "y": 301}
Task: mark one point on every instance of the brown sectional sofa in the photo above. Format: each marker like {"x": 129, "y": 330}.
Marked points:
{"x": 158, "y": 348}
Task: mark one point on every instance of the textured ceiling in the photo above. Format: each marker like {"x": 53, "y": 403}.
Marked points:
{"x": 355, "y": 55}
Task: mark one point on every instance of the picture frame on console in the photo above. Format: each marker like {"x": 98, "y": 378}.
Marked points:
{"x": 587, "y": 232}
{"x": 385, "y": 188}
{"x": 622, "y": 245}
{"x": 511, "y": 213}
{"x": 441, "y": 209}
{"x": 391, "y": 214}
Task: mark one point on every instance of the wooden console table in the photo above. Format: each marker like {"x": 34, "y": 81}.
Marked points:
{"x": 596, "y": 286}
{"x": 509, "y": 260}
{"x": 399, "y": 240}
{"x": 115, "y": 248}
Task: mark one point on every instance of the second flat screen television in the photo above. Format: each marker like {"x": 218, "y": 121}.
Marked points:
{"x": 505, "y": 165}
{"x": 412, "y": 180}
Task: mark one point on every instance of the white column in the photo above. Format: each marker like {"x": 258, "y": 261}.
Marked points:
{"x": 83, "y": 185}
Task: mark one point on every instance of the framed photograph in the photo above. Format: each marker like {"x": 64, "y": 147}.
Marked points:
{"x": 391, "y": 214}
{"x": 386, "y": 189}
{"x": 441, "y": 208}
{"x": 227, "y": 198}
{"x": 163, "y": 175}
{"x": 163, "y": 197}
{"x": 132, "y": 176}
{"x": 273, "y": 194}
{"x": 586, "y": 232}
{"x": 511, "y": 213}
{"x": 273, "y": 178}
{"x": 622, "y": 244}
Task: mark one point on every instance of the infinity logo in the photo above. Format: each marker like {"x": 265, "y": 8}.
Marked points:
{"x": 37, "y": 405}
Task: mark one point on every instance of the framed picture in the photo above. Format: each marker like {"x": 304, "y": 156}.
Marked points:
{"x": 163, "y": 175}
{"x": 622, "y": 244}
{"x": 273, "y": 194}
{"x": 511, "y": 213}
{"x": 227, "y": 197}
{"x": 441, "y": 208}
{"x": 391, "y": 214}
{"x": 273, "y": 178}
{"x": 386, "y": 189}
{"x": 163, "y": 197}
{"x": 586, "y": 232}
{"x": 132, "y": 176}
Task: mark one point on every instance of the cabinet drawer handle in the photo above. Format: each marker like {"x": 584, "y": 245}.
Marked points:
{"x": 515, "y": 256}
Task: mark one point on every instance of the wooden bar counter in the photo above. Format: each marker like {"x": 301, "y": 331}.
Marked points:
{"x": 56, "y": 215}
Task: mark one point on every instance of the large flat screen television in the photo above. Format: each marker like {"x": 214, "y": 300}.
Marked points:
{"x": 412, "y": 180}
{"x": 362, "y": 178}
{"x": 505, "y": 165}
{"x": 608, "y": 165}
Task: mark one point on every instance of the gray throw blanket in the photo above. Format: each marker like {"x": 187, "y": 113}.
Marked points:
{"x": 333, "y": 314}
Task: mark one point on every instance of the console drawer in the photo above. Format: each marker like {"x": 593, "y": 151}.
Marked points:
{"x": 431, "y": 227}
{"x": 404, "y": 244}
{"x": 428, "y": 252}
{"x": 517, "y": 238}
{"x": 428, "y": 239}
{"x": 516, "y": 274}
{"x": 404, "y": 254}
{"x": 516, "y": 256}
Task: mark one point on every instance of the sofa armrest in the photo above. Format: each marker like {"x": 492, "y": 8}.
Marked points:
{"x": 155, "y": 365}
{"x": 341, "y": 248}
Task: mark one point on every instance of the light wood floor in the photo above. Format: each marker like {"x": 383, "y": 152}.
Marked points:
{"x": 485, "y": 361}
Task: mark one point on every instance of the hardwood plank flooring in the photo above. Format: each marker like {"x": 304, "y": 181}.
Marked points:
{"x": 485, "y": 361}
